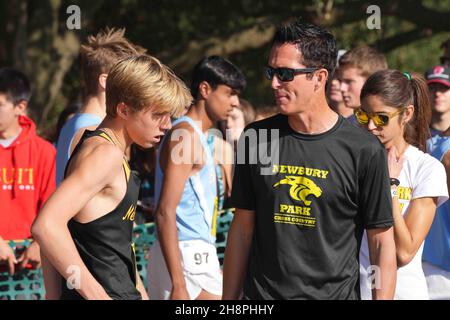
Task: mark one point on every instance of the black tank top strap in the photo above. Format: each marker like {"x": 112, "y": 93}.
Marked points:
{"x": 98, "y": 133}
{"x": 126, "y": 167}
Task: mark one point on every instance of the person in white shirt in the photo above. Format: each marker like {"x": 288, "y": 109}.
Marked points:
{"x": 395, "y": 107}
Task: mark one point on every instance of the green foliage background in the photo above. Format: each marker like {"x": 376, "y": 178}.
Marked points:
{"x": 34, "y": 36}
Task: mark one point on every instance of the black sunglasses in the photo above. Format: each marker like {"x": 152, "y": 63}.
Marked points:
{"x": 285, "y": 74}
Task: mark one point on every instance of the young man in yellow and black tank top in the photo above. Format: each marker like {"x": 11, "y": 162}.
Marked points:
{"x": 85, "y": 228}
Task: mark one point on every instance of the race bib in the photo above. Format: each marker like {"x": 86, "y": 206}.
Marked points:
{"x": 199, "y": 256}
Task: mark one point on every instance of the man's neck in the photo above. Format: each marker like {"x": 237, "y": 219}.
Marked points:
{"x": 198, "y": 113}
{"x": 11, "y": 132}
{"x": 317, "y": 119}
{"x": 95, "y": 105}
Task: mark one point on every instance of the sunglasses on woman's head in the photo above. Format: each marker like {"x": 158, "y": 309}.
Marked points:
{"x": 379, "y": 119}
{"x": 286, "y": 74}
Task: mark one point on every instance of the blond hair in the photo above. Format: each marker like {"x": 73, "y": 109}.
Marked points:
{"x": 101, "y": 53}
{"x": 143, "y": 82}
{"x": 366, "y": 59}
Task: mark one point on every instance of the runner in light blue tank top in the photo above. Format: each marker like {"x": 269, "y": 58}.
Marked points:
{"x": 195, "y": 211}
{"x": 186, "y": 190}
{"x": 437, "y": 243}
{"x": 78, "y": 121}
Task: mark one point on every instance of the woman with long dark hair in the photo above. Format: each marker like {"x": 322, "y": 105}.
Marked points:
{"x": 395, "y": 107}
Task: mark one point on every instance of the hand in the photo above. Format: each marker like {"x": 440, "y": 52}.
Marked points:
{"x": 179, "y": 294}
{"x": 7, "y": 255}
{"x": 395, "y": 162}
{"x": 31, "y": 256}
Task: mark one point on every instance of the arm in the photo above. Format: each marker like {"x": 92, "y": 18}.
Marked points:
{"x": 175, "y": 177}
{"x": 237, "y": 253}
{"x": 409, "y": 230}
{"x": 140, "y": 286}
{"x": 52, "y": 280}
{"x": 90, "y": 175}
{"x": 382, "y": 254}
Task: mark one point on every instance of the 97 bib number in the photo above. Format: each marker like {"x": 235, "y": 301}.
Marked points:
{"x": 199, "y": 257}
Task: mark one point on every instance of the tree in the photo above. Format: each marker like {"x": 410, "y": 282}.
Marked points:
{"x": 35, "y": 37}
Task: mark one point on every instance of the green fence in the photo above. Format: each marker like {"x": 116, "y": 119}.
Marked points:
{"x": 28, "y": 284}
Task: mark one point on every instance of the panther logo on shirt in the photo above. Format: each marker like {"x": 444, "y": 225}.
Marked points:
{"x": 301, "y": 188}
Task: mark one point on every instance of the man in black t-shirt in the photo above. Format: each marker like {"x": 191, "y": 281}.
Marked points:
{"x": 307, "y": 183}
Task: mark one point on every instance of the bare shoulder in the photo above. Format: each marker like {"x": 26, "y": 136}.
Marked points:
{"x": 179, "y": 148}
{"x": 180, "y": 130}
{"x": 77, "y": 136}
{"x": 98, "y": 157}
{"x": 182, "y": 133}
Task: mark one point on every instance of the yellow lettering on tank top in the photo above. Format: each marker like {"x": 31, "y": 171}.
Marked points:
{"x": 131, "y": 213}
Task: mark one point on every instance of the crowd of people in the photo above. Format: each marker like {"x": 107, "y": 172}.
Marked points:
{"x": 350, "y": 201}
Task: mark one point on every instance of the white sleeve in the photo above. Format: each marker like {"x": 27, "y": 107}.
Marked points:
{"x": 431, "y": 181}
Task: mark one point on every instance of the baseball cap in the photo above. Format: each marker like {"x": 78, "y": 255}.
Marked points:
{"x": 438, "y": 74}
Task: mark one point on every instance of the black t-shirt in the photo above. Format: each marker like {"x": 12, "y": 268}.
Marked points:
{"x": 311, "y": 210}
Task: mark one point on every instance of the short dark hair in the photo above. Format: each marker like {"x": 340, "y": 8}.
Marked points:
{"x": 317, "y": 45}
{"x": 15, "y": 85}
{"x": 216, "y": 70}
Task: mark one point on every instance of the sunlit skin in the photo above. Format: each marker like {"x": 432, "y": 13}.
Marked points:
{"x": 146, "y": 128}
{"x": 221, "y": 102}
{"x": 303, "y": 99}
{"x": 293, "y": 96}
{"x": 352, "y": 82}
